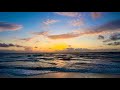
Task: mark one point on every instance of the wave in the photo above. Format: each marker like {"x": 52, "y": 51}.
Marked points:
{"x": 36, "y": 64}
{"x": 98, "y": 69}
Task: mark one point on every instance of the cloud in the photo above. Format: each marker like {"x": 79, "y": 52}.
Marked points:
{"x": 4, "y": 26}
{"x": 113, "y": 37}
{"x": 77, "y": 22}
{"x": 64, "y": 36}
{"x": 28, "y": 49}
{"x": 70, "y": 49}
{"x": 9, "y": 45}
{"x": 69, "y": 14}
{"x": 44, "y": 33}
{"x": 114, "y": 43}
{"x": 100, "y": 37}
{"x": 96, "y": 15}
{"x": 50, "y": 21}
{"x": 26, "y": 39}
{"x": 36, "y": 34}
{"x": 112, "y": 25}
{"x": 72, "y": 34}
{"x": 41, "y": 33}
{"x": 107, "y": 27}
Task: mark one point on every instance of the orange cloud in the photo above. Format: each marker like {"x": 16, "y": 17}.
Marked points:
{"x": 63, "y": 36}
{"x": 107, "y": 27}
{"x": 73, "y": 35}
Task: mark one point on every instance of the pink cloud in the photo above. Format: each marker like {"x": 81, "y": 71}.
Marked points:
{"x": 77, "y": 22}
{"x": 106, "y": 27}
{"x": 50, "y": 21}
{"x": 64, "y": 36}
{"x": 69, "y": 14}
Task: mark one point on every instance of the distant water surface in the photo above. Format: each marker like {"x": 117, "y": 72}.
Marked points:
{"x": 24, "y": 65}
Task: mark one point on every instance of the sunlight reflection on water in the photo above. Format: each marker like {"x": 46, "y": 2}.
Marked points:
{"x": 81, "y": 63}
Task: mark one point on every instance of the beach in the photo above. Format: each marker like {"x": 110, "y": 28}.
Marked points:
{"x": 82, "y": 65}
{"x": 65, "y": 75}
{"x": 75, "y": 75}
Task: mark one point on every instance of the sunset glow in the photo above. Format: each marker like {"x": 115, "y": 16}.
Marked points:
{"x": 57, "y": 31}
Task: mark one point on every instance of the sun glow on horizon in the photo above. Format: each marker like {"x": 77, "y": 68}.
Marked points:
{"x": 38, "y": 32}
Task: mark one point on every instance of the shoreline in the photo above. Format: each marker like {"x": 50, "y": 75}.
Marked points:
{"x": 64, "y": 75}
{"x": 75, "y": 75}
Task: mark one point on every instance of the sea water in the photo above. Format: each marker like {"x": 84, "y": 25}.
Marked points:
{"x": 26, "y": 64}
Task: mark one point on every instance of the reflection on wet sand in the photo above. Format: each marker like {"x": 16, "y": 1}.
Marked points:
{"x": 75, "y": 75}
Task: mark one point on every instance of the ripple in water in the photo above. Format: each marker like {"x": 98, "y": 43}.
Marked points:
{"x": 37, "y": 64}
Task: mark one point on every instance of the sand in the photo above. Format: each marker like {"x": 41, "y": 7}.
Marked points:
{"x": 65, "y": 75}
{"x": 75, "y": 75}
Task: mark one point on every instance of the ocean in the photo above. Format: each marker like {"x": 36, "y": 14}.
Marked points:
{"x": 26, "y": 64}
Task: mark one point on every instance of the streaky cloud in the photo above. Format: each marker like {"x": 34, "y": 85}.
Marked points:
{"x": 26, "y": 48}
{"x": 69, "y": 14}
{"x": 36, "y": 34}
{"x": 112, "y": 25}
{"x": 41, "y": 33}
{"x": 5, "y": 26}
{"x": 9, "y": 45}
{"x": 107, "y": 27}
{"x": 63, "y": 36}
{"x": 26, "y": 39}
{"x": 114, "y": 43}
{"x": 50, "y": 21}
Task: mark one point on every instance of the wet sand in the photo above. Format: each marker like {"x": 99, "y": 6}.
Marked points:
{"x": 65, "y": 75}
{"x": 75, "y": 75}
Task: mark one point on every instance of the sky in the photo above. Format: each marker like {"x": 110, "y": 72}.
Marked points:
{"x": 56, "y": 31}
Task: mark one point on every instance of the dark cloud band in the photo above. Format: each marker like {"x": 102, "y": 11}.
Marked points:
{"x": 114, "y": 44}
{"x": 9, "y": 45}
{"x": 4, "y": 26}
